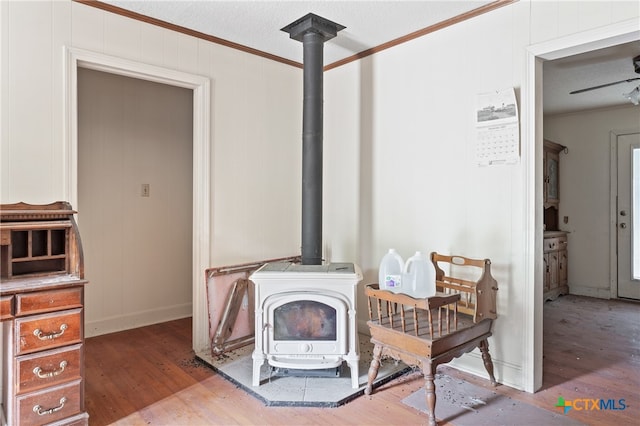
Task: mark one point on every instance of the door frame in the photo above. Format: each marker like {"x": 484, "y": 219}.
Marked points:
{"x": 613, "y": 212}
{"x": 201, "y": 242}
{"x": 531, "y": 152}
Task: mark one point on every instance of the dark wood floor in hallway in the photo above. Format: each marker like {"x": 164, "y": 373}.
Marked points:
{"x": 148, "y": 376}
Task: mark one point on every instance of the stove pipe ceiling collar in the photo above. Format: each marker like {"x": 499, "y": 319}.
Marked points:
{"x": 312, "y": 30}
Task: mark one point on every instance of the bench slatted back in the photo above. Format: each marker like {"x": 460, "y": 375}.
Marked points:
{"x": 477, "y": 296}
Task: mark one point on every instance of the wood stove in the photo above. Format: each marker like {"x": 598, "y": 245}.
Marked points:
{"x": 306, "y": 313}
{"x": 306, "y": 317}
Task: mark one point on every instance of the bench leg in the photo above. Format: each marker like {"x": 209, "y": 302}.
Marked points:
{"x": 373, "y": 368}
{"x": 486, "y": 358}
{"x": 430, "y": 387}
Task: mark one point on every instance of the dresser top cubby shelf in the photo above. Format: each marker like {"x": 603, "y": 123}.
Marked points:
{"x": 38, "y": 243}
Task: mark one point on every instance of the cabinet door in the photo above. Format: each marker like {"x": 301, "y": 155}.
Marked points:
{"x": 553, "y": 270}
{"x": 551, "y": 178}
{"x": 545, "y": 178}
{"x": 562, "y": 268}
{"x": 547, "y": 272}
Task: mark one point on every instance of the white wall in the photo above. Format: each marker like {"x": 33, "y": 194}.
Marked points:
{"x": 585, "y": 175}
{"x": 422, "y": 189}
{"x": 411, "y": 145}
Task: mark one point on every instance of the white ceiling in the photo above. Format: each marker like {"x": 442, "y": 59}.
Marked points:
{"x": 257, "y": 24}
{"x": 594, "y": 68}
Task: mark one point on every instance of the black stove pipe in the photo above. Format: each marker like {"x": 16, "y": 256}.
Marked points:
{"x": 312, "y": 149}
{"x": 312, "y": 31}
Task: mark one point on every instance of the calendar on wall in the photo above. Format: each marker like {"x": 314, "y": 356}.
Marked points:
{"x": 497, "y": 128}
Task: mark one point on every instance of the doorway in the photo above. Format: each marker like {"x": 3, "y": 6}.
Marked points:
{"x": 134, "y": 192}
{"x": 201, "y": 179}
{"x": 532, "y": 131}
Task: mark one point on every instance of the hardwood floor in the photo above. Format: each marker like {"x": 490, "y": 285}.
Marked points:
{"x": 149, "y": 376}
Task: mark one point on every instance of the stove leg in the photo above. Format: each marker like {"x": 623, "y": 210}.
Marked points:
{"x": 258, "y": 360}
{"x": 355, "y": 373}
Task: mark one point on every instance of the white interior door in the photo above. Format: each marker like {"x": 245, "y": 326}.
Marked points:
{"x": 628, "y": 215}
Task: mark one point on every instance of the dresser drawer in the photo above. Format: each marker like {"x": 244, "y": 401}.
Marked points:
{"x": 556, "y": 243}
{"x": 48, "y": 368}
{"x": 48, "y": 301}
{"x": 6, "y": 307}
{"x": 50, "y": 405}
{"x": 47, "y": 331}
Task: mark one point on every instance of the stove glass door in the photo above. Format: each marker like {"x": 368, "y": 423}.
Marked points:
{"x": 305, "y": 320}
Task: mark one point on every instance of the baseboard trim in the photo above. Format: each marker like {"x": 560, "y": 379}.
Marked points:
{"x": 136, "y": 319}
{"x": 600, "y": 293}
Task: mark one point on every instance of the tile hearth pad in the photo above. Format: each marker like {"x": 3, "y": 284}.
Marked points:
{"x": 290, "y": 391}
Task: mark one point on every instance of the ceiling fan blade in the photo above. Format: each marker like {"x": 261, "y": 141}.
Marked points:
{"x": 603, "y": 85}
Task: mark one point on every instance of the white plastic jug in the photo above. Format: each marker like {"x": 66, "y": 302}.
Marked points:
{"x": 390, "y": 272}
{"x": 419, "y": 276}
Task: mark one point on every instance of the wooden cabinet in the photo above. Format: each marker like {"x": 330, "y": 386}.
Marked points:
{"x": 555, "y": 265}
{"x": 555, "y": 241}
{"x": 42, "y": 312}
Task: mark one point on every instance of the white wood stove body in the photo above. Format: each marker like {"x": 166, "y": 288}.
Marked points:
{"x": 306, "y": 317}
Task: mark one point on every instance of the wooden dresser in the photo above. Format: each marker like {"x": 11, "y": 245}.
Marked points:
{"x": 42, "y": 311}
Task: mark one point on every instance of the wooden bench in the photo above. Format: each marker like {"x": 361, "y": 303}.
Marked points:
{"x": 432, "y": 331}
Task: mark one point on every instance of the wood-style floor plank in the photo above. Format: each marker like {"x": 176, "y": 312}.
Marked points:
{"x": 148, "y": 376}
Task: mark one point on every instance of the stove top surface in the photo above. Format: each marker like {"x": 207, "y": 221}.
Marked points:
{"x": 330, "y": 268}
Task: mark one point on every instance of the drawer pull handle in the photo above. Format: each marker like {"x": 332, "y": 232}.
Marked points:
{"x": 42, "y": 336}
{"x": 41, "y": 412}
{"x": 38, "y": 371}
